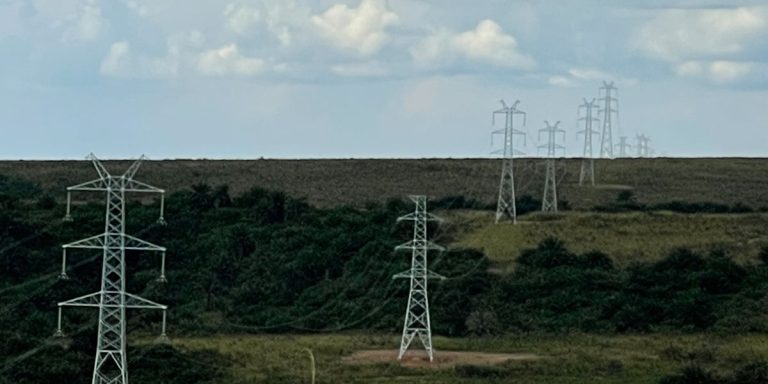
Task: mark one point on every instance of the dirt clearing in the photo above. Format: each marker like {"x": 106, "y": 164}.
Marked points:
{"x": 443, "y": 359}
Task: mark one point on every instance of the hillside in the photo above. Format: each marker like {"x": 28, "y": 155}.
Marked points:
{"x": 623, "y": 236}
{"x": 257, "y": 274}
{"x": 356, "y": 181}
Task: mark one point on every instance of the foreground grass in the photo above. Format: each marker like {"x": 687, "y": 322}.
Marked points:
{"x": 574, "y": 358}
{"x": 626, "y": 237}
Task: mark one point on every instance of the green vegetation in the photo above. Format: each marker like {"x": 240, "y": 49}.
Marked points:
{"x": 625, "y": 237}
{"x": 265, "y": 262}
{"x": 573, "y": 358}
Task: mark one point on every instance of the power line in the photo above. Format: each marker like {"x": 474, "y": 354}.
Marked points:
{"x": 506, "y": 203}
{"x": 110, "y": 366}
{"x": 417, "y": 321}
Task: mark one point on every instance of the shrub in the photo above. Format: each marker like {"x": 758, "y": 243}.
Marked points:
{"x": 691, "y": 375}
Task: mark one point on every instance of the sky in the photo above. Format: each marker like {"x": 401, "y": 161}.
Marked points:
{"x": 373, "y": 78}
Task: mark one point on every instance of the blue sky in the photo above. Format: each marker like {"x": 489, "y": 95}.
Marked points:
{"x": 372, "y": 78}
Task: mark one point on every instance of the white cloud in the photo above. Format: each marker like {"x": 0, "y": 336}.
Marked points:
{"x": 87, "y": 23}
{"x": 140, "y": 9}
{"x": 718, "y": 71}
{"x": 279, "y": 19}
{"x": 361, "y": 29}
{"x": 228, "y": 60}
{"x": 589, "y": 76}
{"x": 240, "y": 18}
{"x": 561, "y": 81}
{"x": 689, "y": 68}
{"x": 122, "y": 62}
{"x": 679, "y": 34}
{"x": 486, "y": 43}
{"x": 728, "y": 71}
{"x": 369, "y": 69}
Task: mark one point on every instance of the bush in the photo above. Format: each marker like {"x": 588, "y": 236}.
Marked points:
{"x": 691, "y": 375}
{"x": 550, "y": 253}
{"x": 478, "y": 371}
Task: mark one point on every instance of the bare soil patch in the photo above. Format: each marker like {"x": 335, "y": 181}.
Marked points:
{"x": 443, "y": 359}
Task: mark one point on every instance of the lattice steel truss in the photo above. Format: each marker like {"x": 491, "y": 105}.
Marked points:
{"x": 506, "y": 203}
{"x": 417, "y": 321}
{"x": 585, "y": 118}
{"x": 549, "y": 201}
{"x": 624, "y": 147}
{"x": 609, "y": 115}
{"x": 643, "y": 149}
{"x": 110, "y": 365}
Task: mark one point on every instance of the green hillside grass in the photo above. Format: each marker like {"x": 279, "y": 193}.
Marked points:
{"x": 625, "y": 237}
{"x": 572, "y": 359}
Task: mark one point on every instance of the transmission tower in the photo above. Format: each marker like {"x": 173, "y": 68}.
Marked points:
{"x": 623, "y": 147}
{"x": 110, "y": 366}
{"x": 506, "y": 203}
{"x": 417, "y": 323}
{"x": 585, "y": 115}
{"x": 609, "y": 112}
{"x": 549, "y": 202}
{"x": 643, "y": 150}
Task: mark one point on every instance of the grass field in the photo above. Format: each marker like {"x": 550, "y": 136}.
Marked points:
{"x": 625, "y": 237}
{"x": 356, "y": 181}
{"x": 573, "y": 358}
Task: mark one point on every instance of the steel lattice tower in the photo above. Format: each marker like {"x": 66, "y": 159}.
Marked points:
{"x": 609, "y": 111}
{"x": 623, "y": 147}
{"x": 585, "y": 116}
{"x": 417, "y": 323}
{"x": 549, "y": 201}
{"x": 110, "y": 365}
{"x": 506, "y": 203}
{"x": 643, "y": 150}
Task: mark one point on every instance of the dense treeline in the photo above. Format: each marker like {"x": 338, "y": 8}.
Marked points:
{"x": 266, "y": 262}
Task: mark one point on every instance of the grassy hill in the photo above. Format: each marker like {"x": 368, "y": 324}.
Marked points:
{"x": 356, "y": 181}
{"x": 626, "y": 237}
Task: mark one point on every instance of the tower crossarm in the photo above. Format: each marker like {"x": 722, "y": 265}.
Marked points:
{"x": 420, "y": 244}
{"x": 415, "y": 216}
{"x": 94, "y": 300}
{"x": 409, "y": 274}
{"x": 129, "y": 243}
{"x": 138, "y": 186}
{"x": 137, "y": 302}
{"x": 136, "y": 244}
{"x": 89, "y": 300}
{"x": 93, "y": 242}
{"x": 97, "y": 185}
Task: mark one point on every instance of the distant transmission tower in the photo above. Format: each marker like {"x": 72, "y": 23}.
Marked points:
{"x": 623, "y": 147}
{"x": 549, "y": 202}
{"x": 643, "y": 150}
{"x": 506, "y": 202}
{"x": 417, "y": 323}
{"x": 110, "y": 366}
{"x": 585, "y": 115}
{"x": 609, "y": 112}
